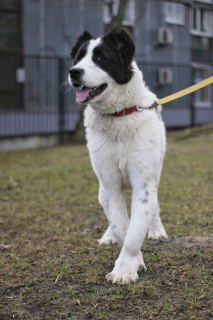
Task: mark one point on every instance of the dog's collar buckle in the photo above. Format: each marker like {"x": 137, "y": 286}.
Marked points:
{"x": 153, "y": 106}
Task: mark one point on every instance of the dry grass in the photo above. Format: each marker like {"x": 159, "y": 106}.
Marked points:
{"x": 51, "y": 265}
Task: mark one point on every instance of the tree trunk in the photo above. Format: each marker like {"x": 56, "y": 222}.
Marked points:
{"x": 116, "y": 21}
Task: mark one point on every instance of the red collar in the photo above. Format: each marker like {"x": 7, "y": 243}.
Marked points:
{"x": 124, "y": 112}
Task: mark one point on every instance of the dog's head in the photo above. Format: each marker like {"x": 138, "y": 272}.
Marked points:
{"x": 100, "y": 64}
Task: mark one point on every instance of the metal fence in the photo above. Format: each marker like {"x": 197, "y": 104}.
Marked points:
{"x": 166, "y": 79}
{"x": 35, "y": 97}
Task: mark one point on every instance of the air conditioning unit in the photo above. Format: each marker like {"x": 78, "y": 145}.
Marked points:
{"x": 164, "y": 76}
{"x": 163, "y": 37}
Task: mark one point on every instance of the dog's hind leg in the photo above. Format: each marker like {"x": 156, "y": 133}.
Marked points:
{"x": 156, "y": 229}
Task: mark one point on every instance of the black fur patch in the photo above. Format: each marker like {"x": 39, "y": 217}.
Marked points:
{"x": 81, "y": 53}
{"x": 117, "y": 49}
{"x": 81, "y": 40}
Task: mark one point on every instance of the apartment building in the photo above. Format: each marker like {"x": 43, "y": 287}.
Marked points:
{"x": 174, "y": 41}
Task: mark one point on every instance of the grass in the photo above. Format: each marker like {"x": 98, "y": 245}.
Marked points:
{"x": 51, "y": 265}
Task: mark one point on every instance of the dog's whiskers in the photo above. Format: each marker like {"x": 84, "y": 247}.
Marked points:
{"x": 65, "y": 87}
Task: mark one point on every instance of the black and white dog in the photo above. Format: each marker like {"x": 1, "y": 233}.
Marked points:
{"x": 126, "y": 142}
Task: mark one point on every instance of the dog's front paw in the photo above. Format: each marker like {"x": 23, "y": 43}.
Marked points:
{"x": 107, "y": 238}
{"x": 156, "y": 235}
{"x": 126, "y": 267}
{"x": 122, "y": 278}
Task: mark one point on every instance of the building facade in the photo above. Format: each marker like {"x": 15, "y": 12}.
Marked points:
{"x": 179, "y": 33}
{"x": 174, "y": 41}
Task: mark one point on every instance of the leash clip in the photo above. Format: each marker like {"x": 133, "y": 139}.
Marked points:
{"x": 155, "y": 105}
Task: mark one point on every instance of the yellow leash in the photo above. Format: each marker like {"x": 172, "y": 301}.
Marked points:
{"x": 188, "y": 90}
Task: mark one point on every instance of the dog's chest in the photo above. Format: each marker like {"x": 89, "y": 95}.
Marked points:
{"x": 110, "y": 158}
{"x": 122, "y": 164}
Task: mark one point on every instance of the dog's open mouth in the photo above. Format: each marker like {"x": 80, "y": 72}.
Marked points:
{"x": 86, "y": 94}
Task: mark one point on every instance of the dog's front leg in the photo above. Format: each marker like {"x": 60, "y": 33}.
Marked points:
{"x": 114, "y": 205}
{"x": 144, "y": 202}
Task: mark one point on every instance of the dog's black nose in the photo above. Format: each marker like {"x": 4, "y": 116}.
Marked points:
{"x": 76, "y": 72}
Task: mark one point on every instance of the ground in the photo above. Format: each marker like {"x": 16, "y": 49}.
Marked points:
{"x": 50, "y": 221}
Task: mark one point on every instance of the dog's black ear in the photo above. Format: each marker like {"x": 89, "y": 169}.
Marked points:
{"x": 81, "y": 39}
{"x": 123, "y": 41}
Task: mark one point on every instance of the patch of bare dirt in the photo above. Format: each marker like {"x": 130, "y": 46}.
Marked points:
{"x": 190, "y": 242}
{"x": 186, "y": 243}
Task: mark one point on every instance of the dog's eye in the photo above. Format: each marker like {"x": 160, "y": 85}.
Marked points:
{"x": 98, "y": 56}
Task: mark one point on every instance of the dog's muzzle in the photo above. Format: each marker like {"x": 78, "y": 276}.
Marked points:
{"x": 75, "y": 75}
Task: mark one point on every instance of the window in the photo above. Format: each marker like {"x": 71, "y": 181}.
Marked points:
{"x": 110, "y": 10}
{"x": 174, "y": 13}
{"x": 201, "y": 22}
{"x": 10, "y": 25}
{"x": 203, "y": 97}
{"x": 129, "y": 17}
{"x": 201, "y": 49}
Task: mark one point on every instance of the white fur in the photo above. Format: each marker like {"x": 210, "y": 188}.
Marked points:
{"x": 125, "y": 151}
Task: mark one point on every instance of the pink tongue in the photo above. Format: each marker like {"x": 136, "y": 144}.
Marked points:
{"x": 82, "y": 95}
